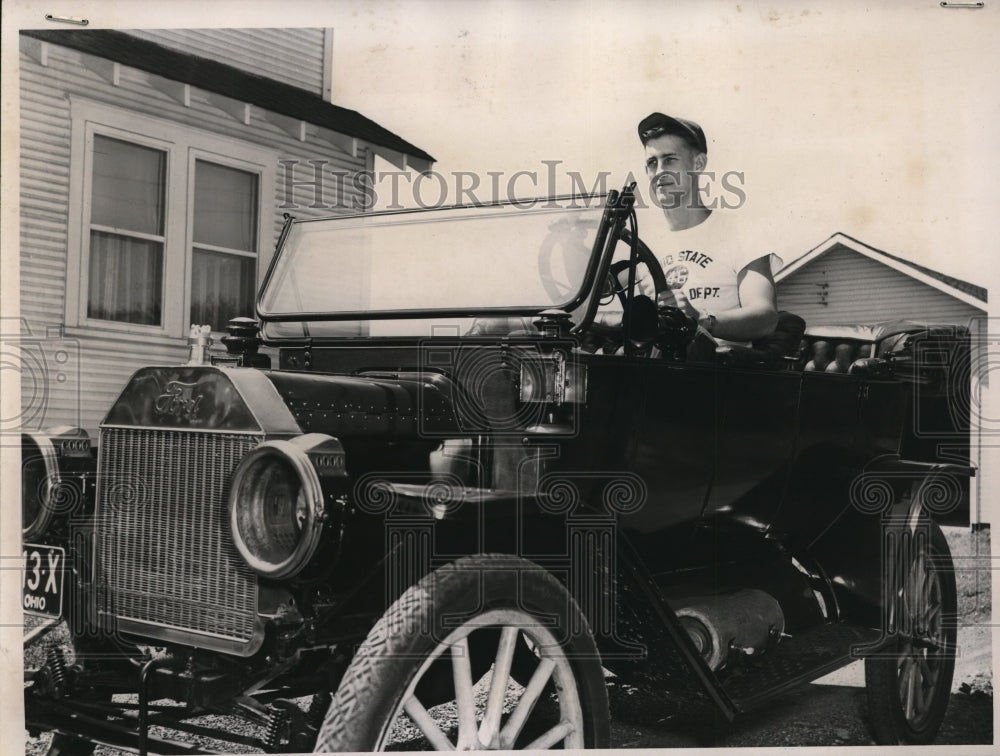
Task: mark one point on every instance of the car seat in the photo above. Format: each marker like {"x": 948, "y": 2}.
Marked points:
{"x": 779, "y": 349}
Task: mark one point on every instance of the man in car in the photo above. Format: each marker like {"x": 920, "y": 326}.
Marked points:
{"x": 714, "y": 273}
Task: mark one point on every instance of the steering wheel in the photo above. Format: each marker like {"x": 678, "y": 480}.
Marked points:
{"x": 613, "y": 284}
{"x": 668, "y": 327}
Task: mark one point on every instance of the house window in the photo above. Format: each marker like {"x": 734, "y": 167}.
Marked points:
{"x": 125, "y": 281}
{"x": 168, "y": 223}
{"x": 224, "y": 254}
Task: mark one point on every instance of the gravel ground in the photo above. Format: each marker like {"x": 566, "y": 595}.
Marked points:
{"x": 831, "y": 711}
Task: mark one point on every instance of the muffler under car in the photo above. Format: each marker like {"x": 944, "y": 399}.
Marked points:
{"x": 744, "y": 623}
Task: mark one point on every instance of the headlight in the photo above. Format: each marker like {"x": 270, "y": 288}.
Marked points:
{"x": 276, "y": 504}
{"x": 553, "y": 379}
{"x": 39, "y": 479}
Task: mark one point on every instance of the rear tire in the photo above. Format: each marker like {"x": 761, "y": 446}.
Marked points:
{"x": 909, "y": 683}
{"x": 383, "y": 691}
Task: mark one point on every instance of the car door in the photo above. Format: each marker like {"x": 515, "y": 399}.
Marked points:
{"x": 675, "y": 407}
{"x": 825, "y": 459}
{"x": 757, "y": 422}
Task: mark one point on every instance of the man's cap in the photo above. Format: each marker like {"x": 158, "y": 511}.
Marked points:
{"x": 657, "y": 124}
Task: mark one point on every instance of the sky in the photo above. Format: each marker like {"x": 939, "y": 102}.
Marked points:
{"x": 881, "y": 123}
{"x": 876, "y": 120}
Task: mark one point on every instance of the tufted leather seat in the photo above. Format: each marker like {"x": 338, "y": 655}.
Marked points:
{"x": 872, "y": 349}
{"x": 834, "y": 356}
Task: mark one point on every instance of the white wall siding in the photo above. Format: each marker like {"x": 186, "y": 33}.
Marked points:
{"x": 294, "y": 56}
{"x": 843, "y": 287}
{"x": 45, "y": 158}
{"x": 102, "y": 360}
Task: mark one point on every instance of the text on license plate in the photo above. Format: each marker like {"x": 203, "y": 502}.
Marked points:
{"x": 42, "y": 587}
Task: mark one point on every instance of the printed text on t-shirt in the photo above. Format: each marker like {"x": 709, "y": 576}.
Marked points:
{"x": 688, "y": 255}
{"x": 703, "y": 292}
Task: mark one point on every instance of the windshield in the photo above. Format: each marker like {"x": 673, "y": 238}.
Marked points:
{"x": 340, "y": 274}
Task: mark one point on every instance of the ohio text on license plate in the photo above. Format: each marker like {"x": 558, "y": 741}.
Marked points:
{"x": 42, "y": 587}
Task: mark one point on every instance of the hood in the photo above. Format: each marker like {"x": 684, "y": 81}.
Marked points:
{"x": 216, "y": 398}
{"x": 403, "y": 405}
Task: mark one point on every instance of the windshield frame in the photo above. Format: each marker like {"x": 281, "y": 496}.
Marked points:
{"x": 578, "y": 299}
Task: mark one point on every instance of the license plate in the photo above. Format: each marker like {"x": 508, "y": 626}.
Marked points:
{"x": 42, "y": 587}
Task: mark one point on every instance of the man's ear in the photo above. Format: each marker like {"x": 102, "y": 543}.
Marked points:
{"x": 700, "y": 161}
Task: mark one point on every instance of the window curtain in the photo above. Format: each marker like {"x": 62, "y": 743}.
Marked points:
{"x": 127, "y": 194}
{"x": 222, "y": 287}
{"x": 126, "y": 279}
{"x": 225, "y": 215}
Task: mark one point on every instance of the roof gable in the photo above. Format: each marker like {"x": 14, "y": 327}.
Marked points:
{"x": 955, "y": 287}
{"x": 229, "y": 81}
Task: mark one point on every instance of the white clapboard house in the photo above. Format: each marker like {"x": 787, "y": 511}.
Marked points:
{"x": 156, "y": 167}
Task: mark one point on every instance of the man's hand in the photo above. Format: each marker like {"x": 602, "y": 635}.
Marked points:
{"x": 677, "y": 298}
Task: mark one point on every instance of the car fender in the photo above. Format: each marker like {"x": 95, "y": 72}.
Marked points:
{"x": 931, "y": 488}
{"x": 889, "y": 493}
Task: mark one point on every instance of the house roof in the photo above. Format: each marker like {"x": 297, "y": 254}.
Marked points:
{"x": 227, "y": 80}
{"x": 963, "y": 290}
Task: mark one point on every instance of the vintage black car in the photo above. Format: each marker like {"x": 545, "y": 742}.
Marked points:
{"x": 487, "y": 478}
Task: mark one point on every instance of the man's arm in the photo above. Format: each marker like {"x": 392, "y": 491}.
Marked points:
{"x": 757, "y": 314}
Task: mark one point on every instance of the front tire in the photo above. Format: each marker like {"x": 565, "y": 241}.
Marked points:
{"x": 395, "y": 677}
{"x": 909, "y": 683}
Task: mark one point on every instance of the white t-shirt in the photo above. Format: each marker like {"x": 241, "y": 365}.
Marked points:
{"x": 705, "y": 260}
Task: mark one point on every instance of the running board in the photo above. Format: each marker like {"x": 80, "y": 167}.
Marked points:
{"x": 796, "y": 661}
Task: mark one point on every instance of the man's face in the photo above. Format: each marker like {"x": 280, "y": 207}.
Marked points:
{"x": 671, "y": 165}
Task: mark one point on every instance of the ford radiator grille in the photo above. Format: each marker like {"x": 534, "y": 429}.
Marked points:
{"x": 167, "y": 568}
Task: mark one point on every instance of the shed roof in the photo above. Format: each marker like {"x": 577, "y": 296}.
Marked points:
{"x": 963, "y": 290}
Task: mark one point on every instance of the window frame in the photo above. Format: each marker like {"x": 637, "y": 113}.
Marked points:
{"x": 184, "y": 145}
{"x": 194, "y": 155}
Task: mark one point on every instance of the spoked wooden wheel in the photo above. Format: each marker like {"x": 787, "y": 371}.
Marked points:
{"x": 436, "y": 671}
{"x": 919, "y": 665}
{"x": 479, "y": 722}
{"x": 910, "y": 683}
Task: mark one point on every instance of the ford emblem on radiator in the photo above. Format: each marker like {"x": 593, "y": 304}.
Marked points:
{"x": 191, "y": 397}
{"x": 178, "y": 402}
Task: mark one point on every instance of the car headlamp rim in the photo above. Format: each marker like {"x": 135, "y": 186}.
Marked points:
{"x": 311, "y": 491}
{"x": 36, "y": 528}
